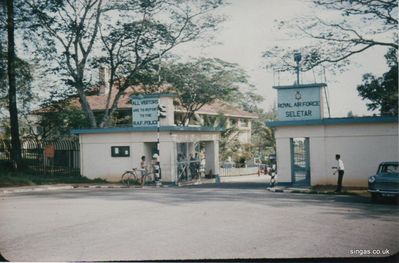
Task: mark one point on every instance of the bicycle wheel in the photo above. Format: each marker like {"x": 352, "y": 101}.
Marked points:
{"x": 127, "y": 178}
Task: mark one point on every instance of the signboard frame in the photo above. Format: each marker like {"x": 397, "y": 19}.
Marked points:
{"x": 145, "y": 109}
{"x": 300, "y": 102}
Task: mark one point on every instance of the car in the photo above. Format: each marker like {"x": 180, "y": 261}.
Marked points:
{"x": 385, "y": 183}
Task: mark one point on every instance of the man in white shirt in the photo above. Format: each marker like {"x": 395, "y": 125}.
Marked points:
{"x": 143, "y": 170}
{"x": 340, "y": 168}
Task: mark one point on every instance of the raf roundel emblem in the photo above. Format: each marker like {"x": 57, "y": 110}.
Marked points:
{"x": 298, "y": 95}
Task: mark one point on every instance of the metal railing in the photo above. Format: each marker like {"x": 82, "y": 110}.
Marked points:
{"x": 52, "y": 157}
{"x": 188, "y": 170}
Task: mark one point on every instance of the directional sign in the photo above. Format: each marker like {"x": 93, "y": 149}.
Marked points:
{"x": 49, "y": 151}
{"x": 145, "y": 111}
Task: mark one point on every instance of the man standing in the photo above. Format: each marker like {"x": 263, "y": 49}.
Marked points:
{"x": 340, "y": 168}
{"x": 143, "y": 170}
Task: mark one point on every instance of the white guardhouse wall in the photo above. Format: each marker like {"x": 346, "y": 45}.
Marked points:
{"x": 283, "y": 156}
{"x": 96, "y": 159}
{"x": 362, "y": 147}
{"x": 97, "y": 162}
{"x": 167, "y": 102}
{"x": 168, "y": 158}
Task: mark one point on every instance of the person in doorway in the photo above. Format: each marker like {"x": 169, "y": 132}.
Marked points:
{"x": 340, "y": 169}
{"x": 181, "y": 167}
{"x": 193, "y": 166}
{"x": 143, "y": 170}
{"x": 197, "y": 164}
{"x": 202, "y": 165}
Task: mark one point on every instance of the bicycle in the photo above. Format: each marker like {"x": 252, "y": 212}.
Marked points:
{"x": 130, "y": 177}
{"x": 135, "y": 176}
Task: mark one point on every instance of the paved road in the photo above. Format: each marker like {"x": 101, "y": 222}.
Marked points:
{"x": 235, "y": 220}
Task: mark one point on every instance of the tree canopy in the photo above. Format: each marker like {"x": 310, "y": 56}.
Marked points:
{"x": 76, "y": 37}
{"x": 203, "y": 80}
{"x": 382, "y": 92}
{"x": 331, "y": 43}
{"x": 23, "y": 83}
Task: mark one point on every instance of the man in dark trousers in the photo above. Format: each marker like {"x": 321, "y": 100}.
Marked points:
{"x": 340, "y": 168}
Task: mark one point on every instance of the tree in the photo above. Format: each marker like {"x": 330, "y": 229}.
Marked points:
{"x": 126, "y": 36}
{"x": 263, "y": 136}
{"x": 12, "y": 89}
{"x": 250, "y": 101}
{"x": 15, "y": 79}
{"x": 229, "y": 145}
{"x": 364, "y": 24}
{"x": 56, "y": 121}
{"x": 23, "y": 81}
{"x": 382, "y": 92}
{"x": 69, "y": 30}
{"x": 202, "y": 81}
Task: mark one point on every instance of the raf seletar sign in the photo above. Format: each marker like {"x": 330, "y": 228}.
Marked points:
{"x": 298, "y": 103}
{"x": 145, "y": 111}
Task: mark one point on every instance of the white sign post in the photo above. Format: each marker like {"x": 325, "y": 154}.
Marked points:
{"x": 145, "y": 111}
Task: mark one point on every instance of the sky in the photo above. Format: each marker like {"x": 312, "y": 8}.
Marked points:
{"x": 249, "y": 30}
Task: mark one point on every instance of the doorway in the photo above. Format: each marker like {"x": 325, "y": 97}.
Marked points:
{"x": 300, "y": 161}
{"x": 190, "y": 161}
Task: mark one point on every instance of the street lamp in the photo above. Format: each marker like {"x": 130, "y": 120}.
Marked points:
{"x": 297, "y": 59}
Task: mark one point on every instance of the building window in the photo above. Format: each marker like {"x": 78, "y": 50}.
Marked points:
{"x": 233, "y": 122}
{"x": 120, "y": 151}
{"x": 244, "y": 123}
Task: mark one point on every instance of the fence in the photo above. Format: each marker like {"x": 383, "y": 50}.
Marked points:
{"x": 60, "y": 157}
{"x": 188, "y": 170}
{"x": 232, "y": 171}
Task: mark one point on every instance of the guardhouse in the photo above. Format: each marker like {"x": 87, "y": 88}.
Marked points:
{"x": 307, "y": 139}
{"x": 108, "y": 152}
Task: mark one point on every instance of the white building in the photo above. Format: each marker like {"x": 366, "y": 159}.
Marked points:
{"x": 307, "y": 141}
{"x": 108, "y": 152}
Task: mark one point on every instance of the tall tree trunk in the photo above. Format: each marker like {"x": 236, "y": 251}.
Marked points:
{"x": 12, "y": 91}
{"x": 86, "y": 108}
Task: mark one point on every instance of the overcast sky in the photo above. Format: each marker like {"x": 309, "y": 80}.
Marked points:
{"x": 249, "y": 30}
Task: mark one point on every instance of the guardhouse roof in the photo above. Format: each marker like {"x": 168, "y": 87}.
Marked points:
{"x": 334, "y": 121}
{"x": 146, "y": 129}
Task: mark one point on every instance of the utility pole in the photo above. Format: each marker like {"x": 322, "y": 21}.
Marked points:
{"x": 297, "y": 58}
{"x": 157, "y": 166}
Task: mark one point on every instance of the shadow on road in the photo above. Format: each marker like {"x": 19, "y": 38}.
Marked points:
{"x": 229, "y": 192}
{"x": 232, "y": 197}
{"x": 251, "y": 193}
{"x": 231, "y": 185}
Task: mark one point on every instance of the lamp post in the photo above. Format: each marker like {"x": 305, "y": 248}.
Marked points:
{"x": 161, "y": 114}
{"x": 297, "y": 59}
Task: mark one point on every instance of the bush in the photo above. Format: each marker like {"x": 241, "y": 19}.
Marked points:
{"x": 5, "y": 166}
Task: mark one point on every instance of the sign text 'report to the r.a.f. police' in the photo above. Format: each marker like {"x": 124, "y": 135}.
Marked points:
{"x": 145, "y": 111}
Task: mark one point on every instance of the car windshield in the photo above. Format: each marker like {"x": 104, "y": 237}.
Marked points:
{"x": 389, "y": 168}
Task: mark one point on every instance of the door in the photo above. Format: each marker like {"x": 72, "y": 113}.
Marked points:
{"x": 300, "y": 163}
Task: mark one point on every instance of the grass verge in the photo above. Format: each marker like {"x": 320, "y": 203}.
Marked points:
{"x": 10, "y": 179}
{"x": 330, "y": 189}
